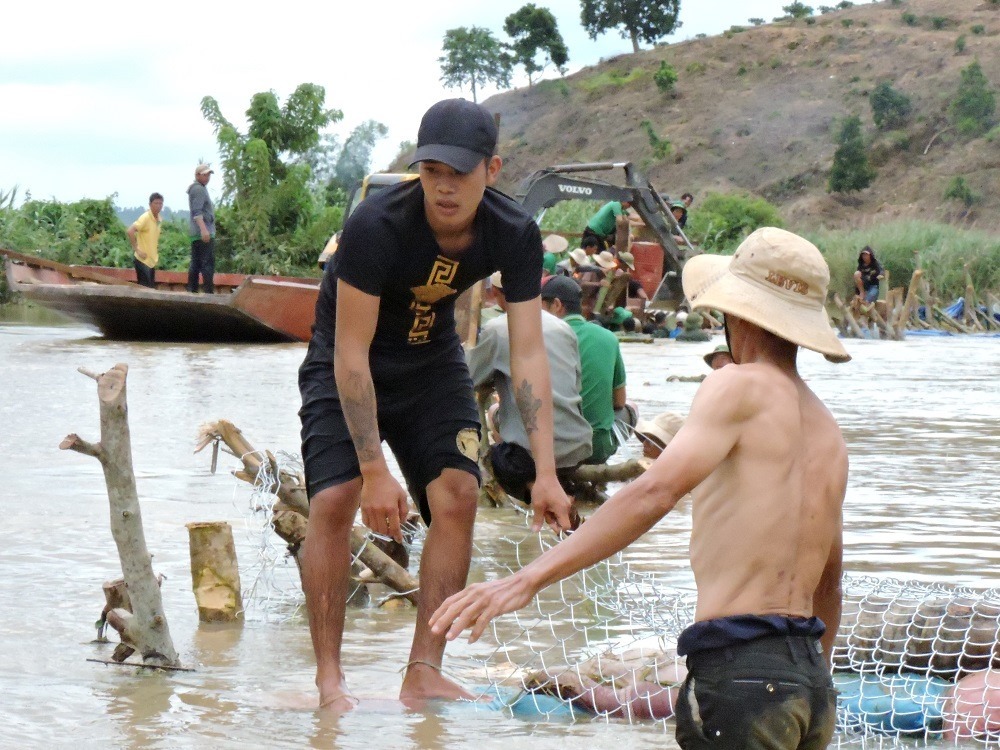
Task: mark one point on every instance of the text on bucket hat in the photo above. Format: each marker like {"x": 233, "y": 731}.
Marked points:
{"x": 563, "y": 289}
{"x": 458, "y": 133}
{"x": 662, "y": 427}
{"x": 203, "y": 169}
{"x": 775, "y": 280}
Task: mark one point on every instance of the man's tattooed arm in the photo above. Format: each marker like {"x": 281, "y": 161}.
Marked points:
{"x": 357, "y": 396}
{"x": 528, "y": 406}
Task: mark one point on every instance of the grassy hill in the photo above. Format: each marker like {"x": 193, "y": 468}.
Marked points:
{"x": 756, "y": 110}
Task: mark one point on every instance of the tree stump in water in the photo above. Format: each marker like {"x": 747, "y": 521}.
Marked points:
{"x": 145, "y": 627}
{"x": 215, "y": 574}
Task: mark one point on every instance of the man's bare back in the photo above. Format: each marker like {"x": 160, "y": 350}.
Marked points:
{"x": 765, "y": 520}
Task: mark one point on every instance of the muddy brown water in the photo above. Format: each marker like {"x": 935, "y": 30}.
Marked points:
{"x": 921, "y": 418}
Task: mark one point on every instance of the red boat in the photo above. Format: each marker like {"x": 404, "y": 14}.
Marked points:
{"x": 251, "y": 309}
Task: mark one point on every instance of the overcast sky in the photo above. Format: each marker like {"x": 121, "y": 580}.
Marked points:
{"x": 102, "y": 98}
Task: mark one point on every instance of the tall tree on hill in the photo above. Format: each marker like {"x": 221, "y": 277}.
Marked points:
{"x": 851, "y": 170}
{"x": 640, "y": 20}
{"x": 974, "y": 103}
{"x": 535, "y": 30}
{"x": 474, "y": 57}
{"x": 266, "y": 193}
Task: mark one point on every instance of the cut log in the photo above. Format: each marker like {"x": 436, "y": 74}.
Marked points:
{"x": 145, "y": 628}
{"x": 912, "y": 299}
{"x": 604, "y": 473}
{"x": 215, "y": 573}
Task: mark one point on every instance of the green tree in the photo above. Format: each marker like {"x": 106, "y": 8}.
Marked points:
{"x": 974, "y": 103}
{"x": 534, "y": 30}
{"x": 267, "y": 202}
{"x": 722, "y": 221}
{"x": 851, "y": 170}
{"x": 665, "y": 77}
{"x": 473, "y": 56}
{"x": 355, "y": 157}
{"x": 890, "y": 108}
{"x": 640, "y": 20}
{"x": 798, "y": 10}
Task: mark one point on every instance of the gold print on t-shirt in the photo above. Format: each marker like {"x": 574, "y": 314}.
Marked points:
{"x": 436, "y": 289}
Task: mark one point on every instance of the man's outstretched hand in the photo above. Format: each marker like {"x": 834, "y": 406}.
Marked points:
{"x": 475, "y": 606}
{"x": 551, "y": 505}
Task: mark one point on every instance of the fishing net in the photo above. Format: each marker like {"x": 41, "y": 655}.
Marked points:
{"x": 915, "y": 664}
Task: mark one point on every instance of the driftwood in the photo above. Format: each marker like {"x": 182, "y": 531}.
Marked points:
{"x": 290, "y": 517}
{"x": 145, "y": 627}
{"x": 848, "y": 316}
{"x": 604, "y": 473}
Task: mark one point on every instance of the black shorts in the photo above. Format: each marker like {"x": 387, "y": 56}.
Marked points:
{"x": 429, "y": 422}
{"x": 773, "y": 692}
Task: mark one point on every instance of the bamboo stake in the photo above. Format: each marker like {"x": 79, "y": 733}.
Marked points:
{"x": 145, "y": 627}
{"x": 911, "y": 302}
{"x": 852, "y": 324}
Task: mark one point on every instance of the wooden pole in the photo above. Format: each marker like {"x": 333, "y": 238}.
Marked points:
{"x": 912, "y": 298}
{"x": 215, "y": 573}
{"x": 852, "y": 324}
{"x": 145, "y": 627}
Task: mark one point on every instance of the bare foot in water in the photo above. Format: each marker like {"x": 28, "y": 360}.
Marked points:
{"x": 336, "y": 697}
{"x": 425, "y": 682}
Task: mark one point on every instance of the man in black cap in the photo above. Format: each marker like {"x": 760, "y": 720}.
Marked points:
{"x": 385, "y": 363}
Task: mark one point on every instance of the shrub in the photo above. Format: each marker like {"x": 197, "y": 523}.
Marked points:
{"x": 978, "y": 29}
{"x": 722, "y": 221}
{"x": 696, "y": 68}
{"x": 665, "y": 77}
{"x": 960, "y": 44}
{"x": 844, "y": 5}
{"x": 756, "y": 21}
{"x": 851, "y": 170}
{"x": 960, "y": 191}
{"x": 847, "y": 22}
{"x": 890, "y": 108}
{"x": 939, "y": 22}
{"x": 972, "y": 108}
{"x": 910, "y": 19}
{"x": 661, "y": 146}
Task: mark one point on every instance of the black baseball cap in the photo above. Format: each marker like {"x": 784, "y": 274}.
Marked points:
{"x": 458, "y": 133}
{"x": 562, "y": 288}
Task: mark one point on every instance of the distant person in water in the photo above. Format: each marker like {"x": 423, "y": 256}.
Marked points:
{"x": 757, "y": 449}
{"x": 202, "y": 227}
{"x": 144, "y": 236}
{"x": 868, "y": 275}
{"x": 719, "y": 357}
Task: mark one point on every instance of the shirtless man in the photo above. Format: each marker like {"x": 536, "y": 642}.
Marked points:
{"x": 385, "y": 363}
{"x": 767, "y": 465}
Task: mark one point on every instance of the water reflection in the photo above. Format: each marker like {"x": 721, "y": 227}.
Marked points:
{"x": 921, "y": 418}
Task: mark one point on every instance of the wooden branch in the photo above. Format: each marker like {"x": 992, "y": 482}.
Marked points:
{"x": 141, "y": 666}
{"x": 931, "y": 141}
{"x": 74, "y": 442}
{"x": 289, "y": 519}
{"x": 912, "y": 300}
{"x": 145, "y": 628}
{"x": 845, "y": 311}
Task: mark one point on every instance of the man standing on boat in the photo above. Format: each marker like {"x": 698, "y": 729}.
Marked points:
{"x": 202, "y": 232}
{"x": 767, "y": 466}
{"x": 144, "y": 236}
{"x": 385, "y": 363}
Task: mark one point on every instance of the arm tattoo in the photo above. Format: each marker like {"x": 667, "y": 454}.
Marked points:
{"x": 358, "y": 401}
{"x": 528, "y": 405}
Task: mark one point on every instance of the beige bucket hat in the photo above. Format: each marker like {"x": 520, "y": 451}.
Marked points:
{"x": 775, "y": 280}
{"x": 628, "y": 259}
{"x": 662, "y": 427}
{"x": 555, "y": 244}
{"x": 605, "y": 260}
{"x": 580, "y": 257}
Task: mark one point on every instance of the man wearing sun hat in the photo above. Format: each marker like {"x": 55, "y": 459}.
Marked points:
{"x": 656, "y": 433}
{"x": 767, "y": 467}
{"x": 385, "y": 363}
{"x": 202, "y": 228}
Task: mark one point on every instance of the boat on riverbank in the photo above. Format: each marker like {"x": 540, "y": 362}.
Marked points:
{"x": 244, "y": 309}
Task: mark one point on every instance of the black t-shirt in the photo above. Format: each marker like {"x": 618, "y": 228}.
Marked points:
{"x": 870, "y": 273}
{"x": 387, "y": 249}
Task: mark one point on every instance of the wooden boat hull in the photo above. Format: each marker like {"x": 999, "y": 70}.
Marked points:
{"x": 252, "y": 309}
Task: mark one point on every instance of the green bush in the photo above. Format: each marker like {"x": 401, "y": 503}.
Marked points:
{"x": 696, "y": 68}
{"x": 978, "y": 29}
{"x": 890, "y": 108}
{"x": 974, "y": 104}
{"x": 798, "y": 10}
{"x": 939, "y": 22}
{"x": 847, "y": 22}
{"x": 851, "y": 170}
{"x": 661, "y": 146}
{"x": 723, "y": 220}
{"x": 910, "y": 19}
{"x": 665, "y": 77}
{"x": 960, "y": 44}
{"x": 959, "y": 190}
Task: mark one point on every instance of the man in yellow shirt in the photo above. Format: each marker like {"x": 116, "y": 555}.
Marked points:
{"x": 144, "y": 235}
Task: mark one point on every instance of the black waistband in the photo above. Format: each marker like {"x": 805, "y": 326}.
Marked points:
{"x": 735, "y": 629}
